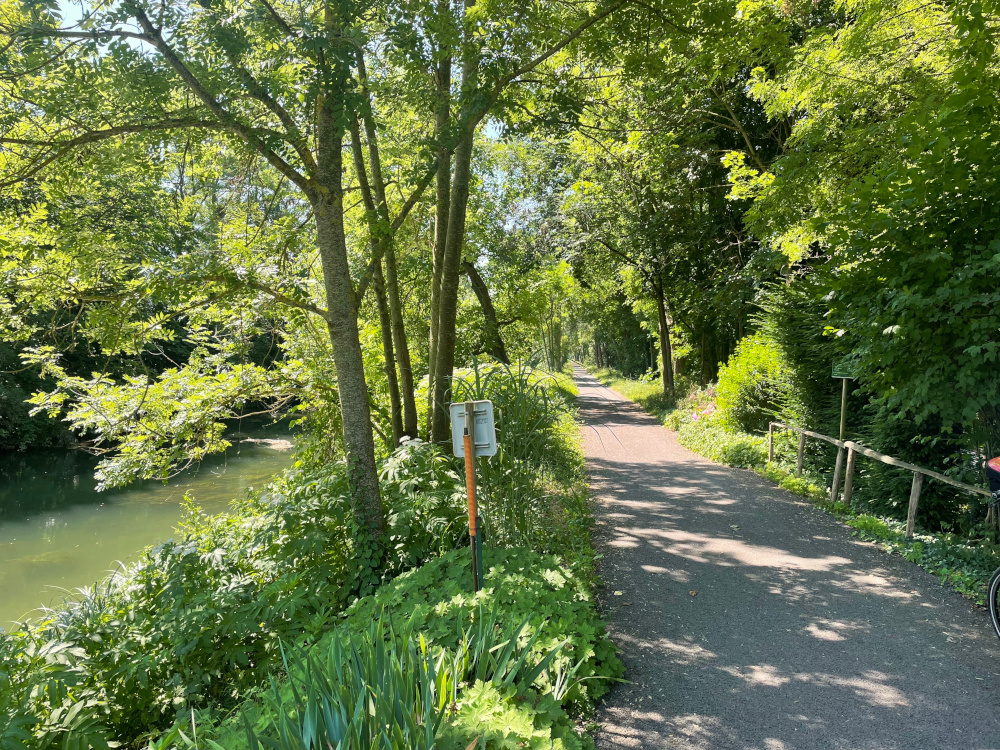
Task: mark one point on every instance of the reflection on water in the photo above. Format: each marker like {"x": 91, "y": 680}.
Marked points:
{"x": 57, "y": 533}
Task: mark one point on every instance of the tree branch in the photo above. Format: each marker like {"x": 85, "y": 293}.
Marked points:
{"x": 542, "y": 57}
{"x": 94, "y": 35}
{"x": 269, "y": 291}
{"x": 742, "y": 131}
{"x": 371, "y": 217}
{"x": 282, "y": 24}
{"x": 228, "y": 120}
{"x": 259, "y": 92}
{"x": 64, "y": 147}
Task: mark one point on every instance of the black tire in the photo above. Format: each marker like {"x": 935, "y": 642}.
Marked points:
{"x": 992, "y": 596}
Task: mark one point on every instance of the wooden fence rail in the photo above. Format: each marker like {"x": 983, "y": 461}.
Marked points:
{"x": 852, "y": 450}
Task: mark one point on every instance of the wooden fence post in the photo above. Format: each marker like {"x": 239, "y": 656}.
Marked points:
{"x": 802, "y": 450}
{"x": 835, "y": 485}
{"x": 770, "y": 442}
{"x": 911, "y": 513}
{"x": 849, "y": 477}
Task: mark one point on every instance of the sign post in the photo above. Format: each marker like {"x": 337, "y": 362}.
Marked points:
{"x": 469, "y": 446}
{"x": 844, "y": 371}
{"x": 473, "y": 421}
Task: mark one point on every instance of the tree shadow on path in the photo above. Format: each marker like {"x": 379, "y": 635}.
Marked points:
{"x": 748, "y": 619}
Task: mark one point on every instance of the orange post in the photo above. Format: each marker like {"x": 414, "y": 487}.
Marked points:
{"x": 470, "y": 489}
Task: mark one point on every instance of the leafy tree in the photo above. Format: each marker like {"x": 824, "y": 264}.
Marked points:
{"x": 291, "y": 85}
{"x": 884, "y": 188}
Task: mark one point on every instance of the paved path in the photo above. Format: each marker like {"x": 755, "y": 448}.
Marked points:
{"x": 798, "y": 636}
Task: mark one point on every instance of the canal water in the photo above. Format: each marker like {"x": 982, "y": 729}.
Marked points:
{"x": 57, "y": 533}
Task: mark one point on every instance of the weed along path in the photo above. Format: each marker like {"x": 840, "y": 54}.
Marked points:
{"x": 748, "y": 619}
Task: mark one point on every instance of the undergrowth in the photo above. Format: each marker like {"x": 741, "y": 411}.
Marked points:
{"x": 245, "y": 602}
{"x": 536, "y": 614}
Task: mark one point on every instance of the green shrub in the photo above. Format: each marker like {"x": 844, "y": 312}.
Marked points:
{"x": 404, "y": 687}
{"x": 806, "y": 486}
{"x": 512, "y": 663}
{"x": 793, "y": 319}
{"x": 707, "y": 436}
{"x": 523, "y": 584}
{"x": 753, "y": 385}
{"x": 885, "y": 490}
{"x": 425, "y": 504}
{"x": 870, "y": 527}
{"x": 201, "y": 620}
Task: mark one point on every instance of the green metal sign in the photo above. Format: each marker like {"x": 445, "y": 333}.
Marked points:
{"x": 846, "y": 370}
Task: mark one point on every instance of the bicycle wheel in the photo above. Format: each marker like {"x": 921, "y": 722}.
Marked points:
{"x": 992, "y": 596}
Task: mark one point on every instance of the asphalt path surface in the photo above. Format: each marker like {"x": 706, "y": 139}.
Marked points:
{"x": 748, "y": 619}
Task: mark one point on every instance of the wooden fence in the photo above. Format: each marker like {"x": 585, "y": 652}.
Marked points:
{"x": 853, "y": 449}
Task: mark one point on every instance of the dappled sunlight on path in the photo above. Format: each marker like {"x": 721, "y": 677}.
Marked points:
{"x": 747, "y": 619}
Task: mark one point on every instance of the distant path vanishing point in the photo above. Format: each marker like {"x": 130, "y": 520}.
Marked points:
{"x": 748, "y": 619}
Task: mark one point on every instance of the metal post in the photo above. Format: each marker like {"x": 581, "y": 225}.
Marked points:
{"x": 911, "y": 513}
{"x": 479, "y": 546}
{"x": 469, "y": 446}
{"x": 770, "y": 442}
{"x": 802, "y": 450}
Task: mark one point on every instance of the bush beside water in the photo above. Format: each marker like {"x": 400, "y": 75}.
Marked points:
{"x": 201, "y": 625}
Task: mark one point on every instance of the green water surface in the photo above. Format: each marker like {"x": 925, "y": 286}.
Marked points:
{"x": 57, "y": 533}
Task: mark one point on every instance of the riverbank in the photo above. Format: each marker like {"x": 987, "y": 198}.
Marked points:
{"x": 199, "y": 626}
{"x": 57, "y": 533}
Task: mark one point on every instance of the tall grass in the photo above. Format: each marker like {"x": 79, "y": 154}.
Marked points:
{"x": 535, "y": 447}
{"x": 386, "y": 690}
{"x": 526, "y": 411}
{"x": 375, "y": 693}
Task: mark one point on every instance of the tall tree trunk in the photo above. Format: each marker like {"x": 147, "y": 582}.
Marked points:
{"x": 359, "y": 445}
{"x": 666, "y": 350}
{"x": 494, "y": 341}
{"x": 448, "y": 298}
{"x": 385, "y": 322}
{"x": 328, "y": 206}
{"x": 442, "y": 205}
{"x": 390, "y": 283}
{"x": 451, "y": 267}
{"x": 401, "y": 343}
{"x": 548, "y": 339}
